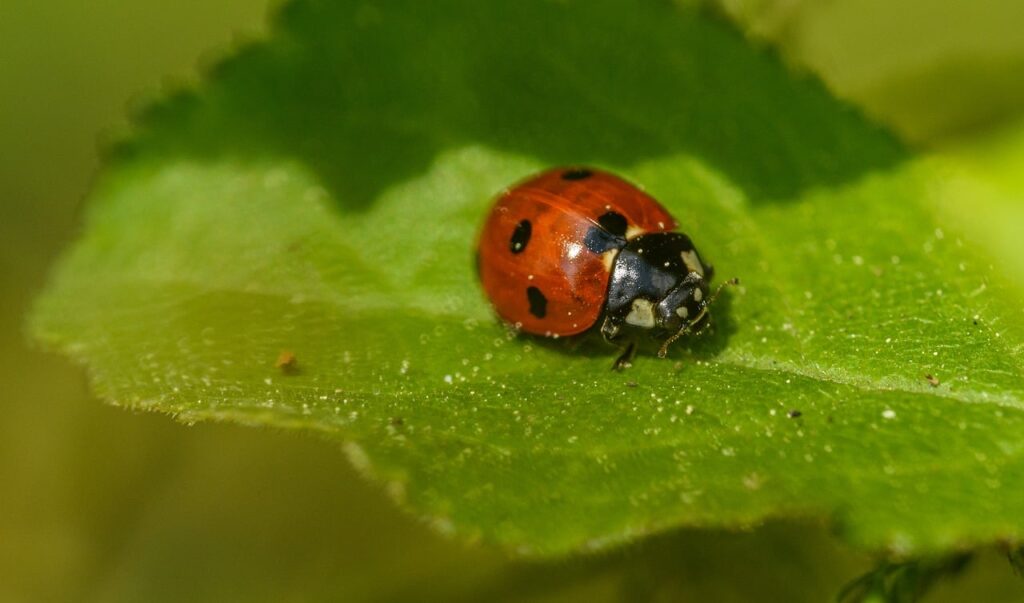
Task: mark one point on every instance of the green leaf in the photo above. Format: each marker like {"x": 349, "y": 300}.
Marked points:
{"x": 320, "y": 196}
{"x": 931, "y": 71}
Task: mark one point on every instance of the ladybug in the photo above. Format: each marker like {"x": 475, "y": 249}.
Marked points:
{"x": 576, "y": 250}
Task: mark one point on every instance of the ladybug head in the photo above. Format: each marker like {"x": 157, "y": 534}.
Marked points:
{"x": 684, "y": 305}
{"x": 685, "y": 309}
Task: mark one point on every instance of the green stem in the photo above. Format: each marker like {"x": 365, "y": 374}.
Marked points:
{"x": 904, "y": 582}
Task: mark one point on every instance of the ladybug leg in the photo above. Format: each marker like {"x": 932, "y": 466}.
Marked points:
{"x": 625, "y": 359}
{"x": 610, "y": 331}
{"x": 612, "y": 334}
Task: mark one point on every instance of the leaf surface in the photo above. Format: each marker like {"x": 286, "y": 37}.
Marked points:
{"x": 320, "y": 196}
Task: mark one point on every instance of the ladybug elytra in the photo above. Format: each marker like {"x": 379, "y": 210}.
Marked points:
{"x": 576, "y": 250}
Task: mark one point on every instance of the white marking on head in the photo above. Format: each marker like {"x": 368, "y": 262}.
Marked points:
{"x": 698, "y": 295}
{"x": 693, "y": 262}
{"x": 683, "y": 311}
{"x": 642, "y": 314}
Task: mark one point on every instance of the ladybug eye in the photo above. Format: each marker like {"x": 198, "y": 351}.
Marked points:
{"x": 521, "y": 236}
{"x": 576, "y": 174}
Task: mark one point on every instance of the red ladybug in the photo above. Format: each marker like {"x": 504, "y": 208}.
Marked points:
{"x": 573, "y": 250}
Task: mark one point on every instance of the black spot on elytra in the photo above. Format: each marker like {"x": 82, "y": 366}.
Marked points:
{"x": 521, "y": 236}
{"x": 538, "y": 303}
{"x": 576, "y": 174}
{"x": 614, "y": 222}
{"x": 610, "y": 235}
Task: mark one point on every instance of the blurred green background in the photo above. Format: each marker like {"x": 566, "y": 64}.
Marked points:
{"x": 97, "y": 504}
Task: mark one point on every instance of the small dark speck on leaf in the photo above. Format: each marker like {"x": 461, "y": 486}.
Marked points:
{"x": 287, "y": 362}
{"x": 397, "y": 421}
{"x": 932, "y": 380}
{"x": 631, "y": 384}
{"x": 794, "y": 414}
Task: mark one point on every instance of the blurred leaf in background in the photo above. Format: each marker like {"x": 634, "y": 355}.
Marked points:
{"x": 131, "y": 517}
{"x": 932, "y": 71}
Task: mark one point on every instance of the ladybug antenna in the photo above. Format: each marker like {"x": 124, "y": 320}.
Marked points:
{"x": 663, "y": 350}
